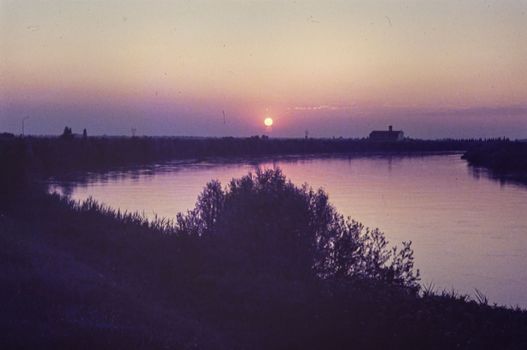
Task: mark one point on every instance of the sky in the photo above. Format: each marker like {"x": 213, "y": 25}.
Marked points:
{"x": 433, "y": 69}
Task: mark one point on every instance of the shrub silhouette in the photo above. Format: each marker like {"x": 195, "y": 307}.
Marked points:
{"x": 264, "y": 223}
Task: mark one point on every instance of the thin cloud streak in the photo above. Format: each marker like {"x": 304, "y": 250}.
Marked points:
{"x": 320, "y": 108}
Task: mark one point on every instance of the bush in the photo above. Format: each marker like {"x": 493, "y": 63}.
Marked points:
{"x": 264, "y": 223}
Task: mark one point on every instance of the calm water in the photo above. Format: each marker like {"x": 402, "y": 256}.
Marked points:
{"x": 468, "y": 231}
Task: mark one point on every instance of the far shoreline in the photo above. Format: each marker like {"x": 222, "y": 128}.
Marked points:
{"x": 53, "y": 157}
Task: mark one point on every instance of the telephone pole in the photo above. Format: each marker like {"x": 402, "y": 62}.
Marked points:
{"x": 24, "y": 124}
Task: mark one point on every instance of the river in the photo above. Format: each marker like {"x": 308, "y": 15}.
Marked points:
{"x": 468, "y": 230}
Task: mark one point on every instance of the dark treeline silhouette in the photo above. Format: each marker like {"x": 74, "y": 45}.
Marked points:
{"x": 67, "y": 133}
{"x": 15, "y": 168}
{"x": 258, "y": 264}
{"x": 55, "y": 155}
{"x": 504, "y": 160}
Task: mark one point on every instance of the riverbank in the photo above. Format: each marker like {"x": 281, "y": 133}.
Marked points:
{"x": 504, "y": 161}
{"x": 96, "y": 279}
{"x": 49, "y": 156}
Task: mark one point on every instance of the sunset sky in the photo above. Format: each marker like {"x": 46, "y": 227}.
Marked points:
{"x": 432, "y": 68}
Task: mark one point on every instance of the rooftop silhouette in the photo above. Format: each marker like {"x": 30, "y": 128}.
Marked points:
{"x": 389, "y": 135}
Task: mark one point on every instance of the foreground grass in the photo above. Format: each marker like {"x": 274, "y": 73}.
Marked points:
{"x": 84, "y": 277}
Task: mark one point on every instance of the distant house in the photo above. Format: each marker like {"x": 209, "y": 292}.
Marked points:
{"x": 389, "y": 135}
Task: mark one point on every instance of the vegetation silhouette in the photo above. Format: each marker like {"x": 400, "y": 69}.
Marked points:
{"x": 264, "y": 223}
{"x": 15, "y": 169}
{"x": 258, "y": 264}
{"x": 67, "y": 133}
{"x": 52, "y": 156}
{"x": 506, "y": 161}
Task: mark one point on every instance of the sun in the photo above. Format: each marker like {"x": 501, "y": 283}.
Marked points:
{"x": 268, "y": 121}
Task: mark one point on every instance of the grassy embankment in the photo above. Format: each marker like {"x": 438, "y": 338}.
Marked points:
{"x": 234, "y": 273}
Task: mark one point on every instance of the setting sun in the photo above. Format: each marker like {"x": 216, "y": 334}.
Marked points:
{"x": 393, "y": 188}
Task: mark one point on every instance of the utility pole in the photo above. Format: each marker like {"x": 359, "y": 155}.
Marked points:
{"x": 24, "y": 123}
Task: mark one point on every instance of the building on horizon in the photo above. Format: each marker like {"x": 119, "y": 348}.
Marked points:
{"x": 389, "y": 135}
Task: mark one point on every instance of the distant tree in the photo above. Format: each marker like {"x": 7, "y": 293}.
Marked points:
{"x": 84, "y": 134}
{"x": 67, "y": 133}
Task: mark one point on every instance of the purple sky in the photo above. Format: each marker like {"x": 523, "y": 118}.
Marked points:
{"x": 434, "y": 69}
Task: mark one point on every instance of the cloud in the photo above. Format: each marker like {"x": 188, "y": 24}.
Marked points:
{"x": 322, "y": 108}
